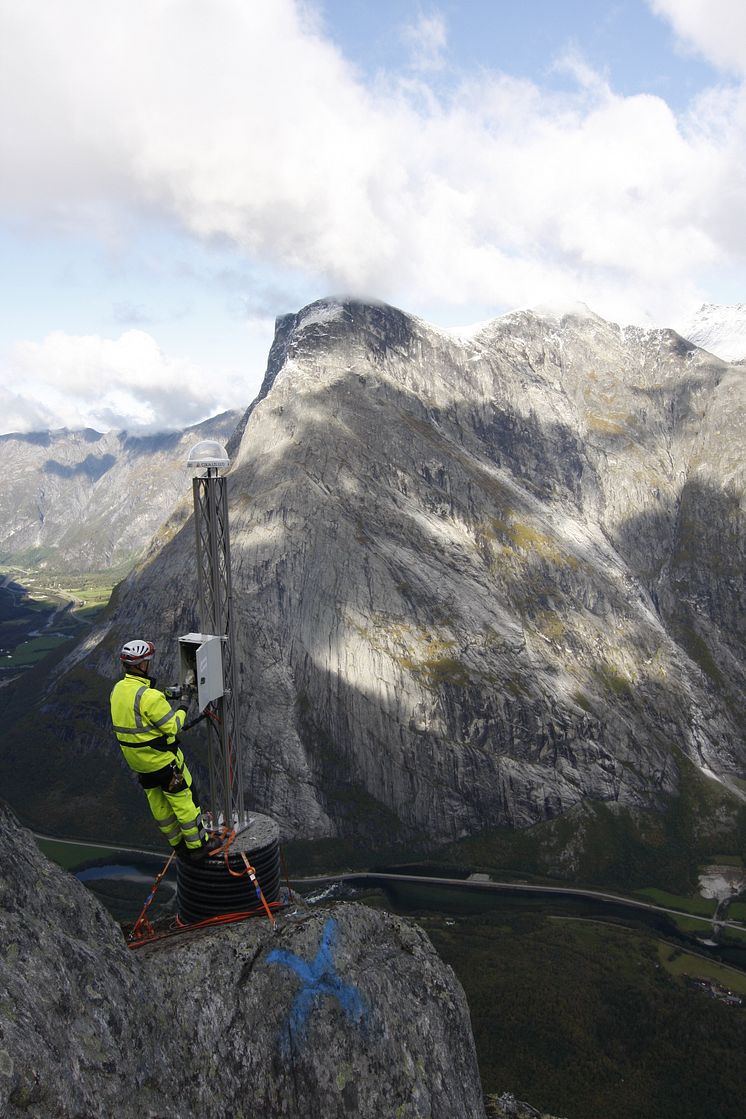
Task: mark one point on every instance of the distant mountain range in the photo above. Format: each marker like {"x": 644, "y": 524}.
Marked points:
{"x": 79, "y": 501}
{"x": 480, "y": 582}
{"x": 719, "y": 329}
{"x": 83, "y": 500}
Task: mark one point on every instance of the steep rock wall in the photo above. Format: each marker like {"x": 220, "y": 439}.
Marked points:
{"x": 477, "y": 580}
{"x": 341, "y": 1012}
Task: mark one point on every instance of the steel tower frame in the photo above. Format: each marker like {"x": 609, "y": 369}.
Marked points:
{"x": 216, "y": 617}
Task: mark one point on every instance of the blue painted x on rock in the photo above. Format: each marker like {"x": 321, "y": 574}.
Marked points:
{"x": 319, "y": 978}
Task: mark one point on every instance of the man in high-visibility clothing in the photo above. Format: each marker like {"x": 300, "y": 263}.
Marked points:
{"x": 146, "y": 726}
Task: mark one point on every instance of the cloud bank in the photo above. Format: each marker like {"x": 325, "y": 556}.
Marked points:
{"x": 123, "y": 383}
{"x": 242, "y": 122}
{"x": 715, "y": 29}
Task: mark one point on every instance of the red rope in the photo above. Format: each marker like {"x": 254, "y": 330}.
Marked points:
{"x": 180, "y": 927}
{"x": 228, "y": 835}
{"x": 142, "y": 919}
{"x": 136, "y": 937}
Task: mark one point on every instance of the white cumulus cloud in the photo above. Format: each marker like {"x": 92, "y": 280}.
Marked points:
{"x": 427, "y": 39}
{"x": 122, "y": 383}
{"x": 714, "y": 28}
{"x": 241, "y": 122}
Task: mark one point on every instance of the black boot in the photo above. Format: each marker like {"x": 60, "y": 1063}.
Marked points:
{"x": 197, "y": 854}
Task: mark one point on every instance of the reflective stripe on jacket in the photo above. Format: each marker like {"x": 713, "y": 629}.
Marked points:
{"x": 145, "y": 723}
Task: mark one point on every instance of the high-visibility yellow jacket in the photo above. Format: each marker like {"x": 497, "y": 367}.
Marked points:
{"x": 145, "y": 724}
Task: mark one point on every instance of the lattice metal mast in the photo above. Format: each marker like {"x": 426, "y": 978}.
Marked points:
{"x": 216, "y": 617}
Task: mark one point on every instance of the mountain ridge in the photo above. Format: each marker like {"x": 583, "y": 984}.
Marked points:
{"x": 721, "y": 329}
{"x": 82, "y": 500}
{"x": 471, "y": 586}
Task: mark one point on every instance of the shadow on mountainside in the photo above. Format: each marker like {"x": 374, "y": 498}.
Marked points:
{"x": 431, "y": 640}
{"x": 698, "y": 584}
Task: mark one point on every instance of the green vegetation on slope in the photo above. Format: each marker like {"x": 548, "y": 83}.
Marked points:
{"x": 693, "y": 903}
{"x": 611, "y": 847}
{"x": 49, "y": 611}
{"x": 68, "y": 855}
{"x": 677, "y": 962}
{"x": 54, "y": 776}
{"x": 583, "y": 1020}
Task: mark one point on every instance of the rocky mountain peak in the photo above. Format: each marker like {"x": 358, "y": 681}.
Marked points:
{"x": 479, "y": 580}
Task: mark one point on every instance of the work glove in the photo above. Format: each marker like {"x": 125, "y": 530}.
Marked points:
{"x": 187, "y": 695}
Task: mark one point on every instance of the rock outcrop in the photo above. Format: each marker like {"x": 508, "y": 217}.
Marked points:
{"x": 477, "y": 580}
{"x": 340, "y": 1012}
{"x": 85, "y": 501}
{"x": 507, "y": 1106}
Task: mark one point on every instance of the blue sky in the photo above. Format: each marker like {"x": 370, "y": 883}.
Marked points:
{"x": 178, "y": 174}
{"x": 626, "y": 41}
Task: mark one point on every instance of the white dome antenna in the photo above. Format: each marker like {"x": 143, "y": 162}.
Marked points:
{"x": 208, "y": 453}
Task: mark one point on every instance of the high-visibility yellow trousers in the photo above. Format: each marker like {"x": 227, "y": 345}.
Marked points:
{"x": 176, "y": 814}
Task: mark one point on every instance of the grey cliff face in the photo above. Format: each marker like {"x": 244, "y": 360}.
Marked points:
{"x": 84, "y": 501}
{"x": 344, "y": 1012}
{"x": 477, "y": 580}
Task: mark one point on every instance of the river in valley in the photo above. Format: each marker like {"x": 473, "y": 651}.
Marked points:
{"x": 122, "y": 880}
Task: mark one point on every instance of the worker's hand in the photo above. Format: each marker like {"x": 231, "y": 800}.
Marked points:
{"x": 187, "y": 695}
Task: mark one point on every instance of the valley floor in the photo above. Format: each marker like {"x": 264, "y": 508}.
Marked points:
{"x": 38, "y": 613}
{"x": 580, "y": 1012}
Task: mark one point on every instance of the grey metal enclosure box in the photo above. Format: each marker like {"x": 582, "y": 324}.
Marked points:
{"x": 202, "y": 653}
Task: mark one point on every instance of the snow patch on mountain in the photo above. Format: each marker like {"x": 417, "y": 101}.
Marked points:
{"x": 321, "y": 313}
{"x": 720, "y": 329}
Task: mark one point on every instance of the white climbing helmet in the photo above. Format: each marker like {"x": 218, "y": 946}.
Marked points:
{"x": 133, "y": 652}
